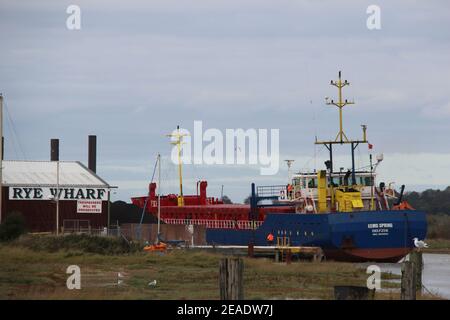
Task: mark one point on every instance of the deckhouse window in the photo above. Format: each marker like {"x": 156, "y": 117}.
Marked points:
{"x": 312, "y": 183}
{"x": 368, "y": 181}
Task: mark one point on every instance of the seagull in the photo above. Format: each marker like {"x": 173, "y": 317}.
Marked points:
{"x": 152, "y": 283}
{"x": 419, "y": 243}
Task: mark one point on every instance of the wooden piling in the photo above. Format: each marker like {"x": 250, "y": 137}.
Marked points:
{"x": 408, "y": 286}
{"x": 251, "y": 250}
{"x": 288, "y": 256}
{"x": 231, "y": 274}
{"x": 416, "y": 258}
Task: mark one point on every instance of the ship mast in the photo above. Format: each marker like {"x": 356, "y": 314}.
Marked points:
{"x": 341, "y": 138}
{"x": 178, "y": 141}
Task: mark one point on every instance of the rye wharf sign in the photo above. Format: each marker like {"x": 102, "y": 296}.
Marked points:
{"x": 41, "y": 193}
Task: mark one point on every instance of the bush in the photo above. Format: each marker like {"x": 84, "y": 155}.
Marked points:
{"x": 12, "y": 227}
{"x": 438, "y": 227}
{"x": 80, "y": 243}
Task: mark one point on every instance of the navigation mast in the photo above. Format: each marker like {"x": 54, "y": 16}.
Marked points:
{"x": 341, "y": 138}
{"x": 178, "y": 141}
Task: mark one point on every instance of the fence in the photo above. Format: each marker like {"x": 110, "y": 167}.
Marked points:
{"x": 190, "y": 231}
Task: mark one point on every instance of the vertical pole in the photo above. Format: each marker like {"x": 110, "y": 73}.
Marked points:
{"x": 1, "y": 157}
{"x": 332, "y": 202}
{"x": 57, "y": 197}
{"x": 159, "y": 198}
{"x": 340, "y": 107}
{"x": 408, "y": 285}
{"x": 288, "y": 256}
{"x": 109, "y": 209}
{"x": 331, "y": 157}
{"x": 353, "y": 164}
{"x": 251, "y": 250}
{"x": 180, "y": 173}
{"x": 231, "y": 271}
{"x": 253, "y": 208}
{"x": 372, "y": 207}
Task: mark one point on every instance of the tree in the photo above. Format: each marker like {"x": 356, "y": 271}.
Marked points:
{"x": 247, "y": 200}
{"x": 12, "y": 227}
{"x": 430, "y": 201}
{"x": 226, "y": 200}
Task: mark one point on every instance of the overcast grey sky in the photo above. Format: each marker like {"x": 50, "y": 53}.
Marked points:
{"x": 136, "y": 69}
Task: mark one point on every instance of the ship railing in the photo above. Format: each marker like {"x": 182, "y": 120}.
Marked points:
{"x": 217, "y": 224}
{"x": 271, "y": 191}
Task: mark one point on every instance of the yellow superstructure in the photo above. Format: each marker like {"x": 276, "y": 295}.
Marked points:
{"x": 322, "y": 190}
{"x": 348, "y": 200}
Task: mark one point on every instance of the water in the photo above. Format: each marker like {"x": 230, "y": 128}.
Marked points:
{"x": 435, "y": 275}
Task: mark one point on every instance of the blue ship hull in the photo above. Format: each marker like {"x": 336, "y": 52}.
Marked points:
{"x": 384, "y": 236}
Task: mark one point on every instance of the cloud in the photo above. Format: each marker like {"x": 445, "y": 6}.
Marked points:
{"x": 137, "y": 69}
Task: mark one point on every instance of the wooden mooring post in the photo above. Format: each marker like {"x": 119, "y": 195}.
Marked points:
{"x": 231, "y": 276}
{"x": 416, "y": 258}
{"x": 408, "y": 286}
{"x": 251, "y": 250}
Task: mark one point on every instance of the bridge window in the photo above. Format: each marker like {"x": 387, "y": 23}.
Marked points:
{"x": 312, "y": 183}
{"x": 335, "y": 180}
{"x": 368, "y": 181}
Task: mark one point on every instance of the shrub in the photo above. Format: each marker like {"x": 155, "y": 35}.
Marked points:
{"x": 12, "y": 227}
{"x": 438, "y": 227}
{"x": 79, "y": 243}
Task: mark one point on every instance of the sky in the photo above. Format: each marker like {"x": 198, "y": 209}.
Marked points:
{"x": 137, "y": 69}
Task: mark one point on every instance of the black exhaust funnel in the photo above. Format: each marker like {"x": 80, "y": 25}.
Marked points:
{"x": 54, "y": 149}
{"x": 92, "y": 153}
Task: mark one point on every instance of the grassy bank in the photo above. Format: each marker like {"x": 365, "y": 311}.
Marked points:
{"x": 40, "y": 273}
{"x": 438, "y": 246}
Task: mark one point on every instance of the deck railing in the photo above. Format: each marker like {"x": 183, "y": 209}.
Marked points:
{"x": 217, "y": 224}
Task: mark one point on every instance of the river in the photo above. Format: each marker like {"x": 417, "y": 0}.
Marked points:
{"x": 435, "y": 276}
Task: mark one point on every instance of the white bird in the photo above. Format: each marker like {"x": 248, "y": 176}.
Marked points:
{"x": 419, "y": 243}
{"x": 119, "y": 282}
{"x": 152, "y": 283}
{"x": 120, "y": 275}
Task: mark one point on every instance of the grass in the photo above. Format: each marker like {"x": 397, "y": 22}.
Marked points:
{"x": 27, "y": 273}
{"x": 438, "y": 246}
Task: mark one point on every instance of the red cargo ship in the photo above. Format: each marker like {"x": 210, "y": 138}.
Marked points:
{"x": 203, "y": 210}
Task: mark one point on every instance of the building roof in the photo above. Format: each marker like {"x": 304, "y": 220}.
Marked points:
{"x": 44, "y": 174}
